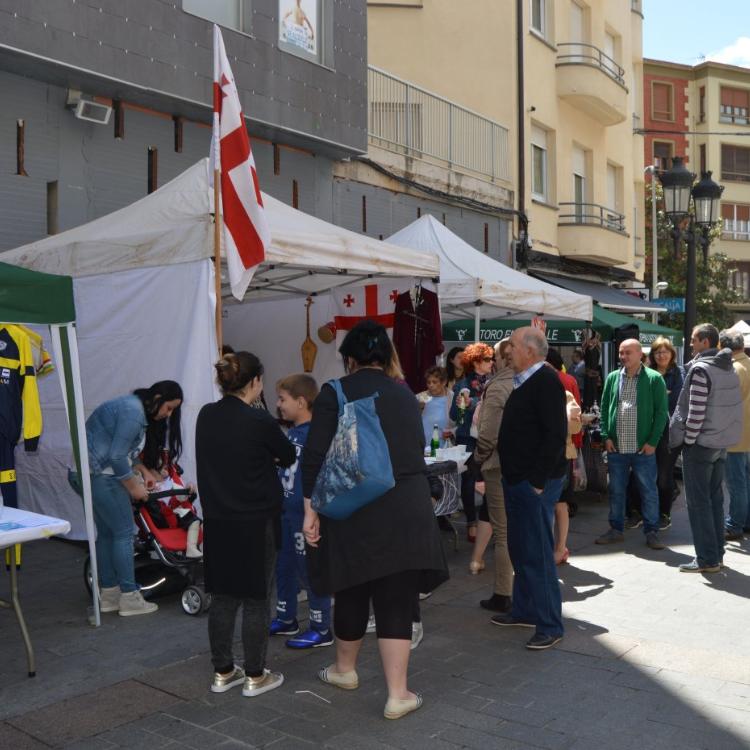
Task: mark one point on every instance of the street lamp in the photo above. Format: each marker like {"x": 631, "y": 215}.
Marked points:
{"x": 677, "y": 184}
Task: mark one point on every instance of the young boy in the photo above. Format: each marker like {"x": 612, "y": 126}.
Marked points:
{"x": 296, "y": 394}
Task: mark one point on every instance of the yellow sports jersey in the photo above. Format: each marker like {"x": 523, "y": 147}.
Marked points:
{"x": 19, "y": 395}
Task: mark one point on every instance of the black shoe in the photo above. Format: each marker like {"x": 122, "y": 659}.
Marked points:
{"x": 508, "y": 620}
{"x": 733, "y": 536}
{"x": 497, "y": 603}
{"x": 540, "y": 642}
{"x": 665, "y": 521}
{"x": 634, "y": 521}
{"x": 652, "y": 540}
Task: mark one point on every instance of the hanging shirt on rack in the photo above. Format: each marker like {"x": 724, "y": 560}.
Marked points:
{"x": 20, "y": 410}
{"x": 417, "y": 334}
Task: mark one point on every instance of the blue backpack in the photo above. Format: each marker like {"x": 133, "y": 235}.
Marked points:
{"x": 357, "y": 468}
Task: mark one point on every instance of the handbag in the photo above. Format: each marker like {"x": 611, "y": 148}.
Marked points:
{"x": 357, "y": 468}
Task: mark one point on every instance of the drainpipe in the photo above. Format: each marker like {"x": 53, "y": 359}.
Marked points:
{"x": 521, "y": 258}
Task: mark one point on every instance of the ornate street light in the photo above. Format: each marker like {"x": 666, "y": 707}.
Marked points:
{"x": 677, "y": 184}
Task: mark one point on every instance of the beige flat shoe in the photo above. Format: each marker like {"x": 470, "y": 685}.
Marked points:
{"x": 395, "y": 708}
{"x": 343, "y": 680}
{"x": 476, "y": 567}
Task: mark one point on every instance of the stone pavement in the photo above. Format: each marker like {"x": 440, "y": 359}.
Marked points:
{"x": 652, "y": 658}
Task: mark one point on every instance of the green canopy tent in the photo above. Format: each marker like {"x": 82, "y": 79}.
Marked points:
{"x": 560, "y": 331}
{"x": 30, "y": 297}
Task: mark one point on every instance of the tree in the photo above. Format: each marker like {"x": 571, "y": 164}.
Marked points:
{"x": 713, "y": 289}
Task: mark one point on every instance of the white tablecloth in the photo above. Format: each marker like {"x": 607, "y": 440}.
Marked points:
{"x": 18, "y": 526}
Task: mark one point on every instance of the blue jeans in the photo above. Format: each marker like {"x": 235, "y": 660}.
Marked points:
{"x": 113, "y": 513}
{"x": 645, "y": 472}
{"x": 738, "y": 484}
{"x": 703, "y": 472}
{"x": 291, "y": 571}
{"x": 536, "y": 591}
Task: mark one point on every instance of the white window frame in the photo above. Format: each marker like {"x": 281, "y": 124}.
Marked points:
{"x": 540, "y": 149}
{"x": 729, "y": 230}
{"x": 244, "y": 12}
{"x": 542, "y": 28}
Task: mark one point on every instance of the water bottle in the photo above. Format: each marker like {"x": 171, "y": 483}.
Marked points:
{"x": 435, "y": 442}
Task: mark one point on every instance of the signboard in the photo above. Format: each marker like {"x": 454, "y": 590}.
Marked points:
{"x": 673, "y": 304}
{"x": 298, "y": 25}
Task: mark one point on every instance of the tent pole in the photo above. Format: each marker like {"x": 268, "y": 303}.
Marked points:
{"x": 217, "y": 258}
{"x": 65, "y": 344}
{"x": 477, "y": 320}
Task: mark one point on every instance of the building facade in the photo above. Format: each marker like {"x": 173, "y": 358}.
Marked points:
{"x": 302, "y": 86}
{"x": 702, "y": 112}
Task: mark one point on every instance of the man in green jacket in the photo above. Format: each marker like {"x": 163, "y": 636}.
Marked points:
{"x": 634, "y": 413}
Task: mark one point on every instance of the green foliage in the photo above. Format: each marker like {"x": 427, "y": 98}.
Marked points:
{"x": 713, "y": 290}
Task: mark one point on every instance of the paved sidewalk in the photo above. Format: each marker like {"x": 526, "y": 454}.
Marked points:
{"x": 652, "y": 658}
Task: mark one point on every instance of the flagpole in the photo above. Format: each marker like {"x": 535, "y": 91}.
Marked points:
{"x": 217, "y": 259}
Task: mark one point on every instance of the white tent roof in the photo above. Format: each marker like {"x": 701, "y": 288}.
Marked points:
{"x": 174, "y": 225}
{"x": 741, "y": 327}
{"x": 467, "y": 276}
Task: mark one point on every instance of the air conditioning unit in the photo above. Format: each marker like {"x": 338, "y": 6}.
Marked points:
{"x": 93, "y": 111}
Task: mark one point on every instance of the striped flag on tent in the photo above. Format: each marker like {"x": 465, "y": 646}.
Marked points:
{"x": 245, "y": 230}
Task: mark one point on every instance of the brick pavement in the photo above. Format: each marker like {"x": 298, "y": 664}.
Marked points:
{"x": 652, "y": 658}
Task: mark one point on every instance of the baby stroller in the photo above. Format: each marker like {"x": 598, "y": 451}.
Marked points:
{"x": 160, "y": 558}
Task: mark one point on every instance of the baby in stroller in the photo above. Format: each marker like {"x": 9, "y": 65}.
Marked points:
{"x": 176, "y": 511}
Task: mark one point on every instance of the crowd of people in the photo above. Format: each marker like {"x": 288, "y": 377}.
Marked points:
{"x": 518, "y": 415}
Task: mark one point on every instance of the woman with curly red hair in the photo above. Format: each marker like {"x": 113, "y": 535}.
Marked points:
{"x": 476, "y": 361}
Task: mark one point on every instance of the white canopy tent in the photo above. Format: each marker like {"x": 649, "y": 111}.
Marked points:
{"x": 144, "y": 291}
{"x": 742, "y": 327}
{"x": 474, "y": 285}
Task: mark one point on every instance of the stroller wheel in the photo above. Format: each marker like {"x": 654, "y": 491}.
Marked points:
{"x": 194, "y": 600}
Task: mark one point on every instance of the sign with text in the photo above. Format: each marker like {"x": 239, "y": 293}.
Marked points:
{"x": 298, "y": 24}
{"x": 673, "y": 304}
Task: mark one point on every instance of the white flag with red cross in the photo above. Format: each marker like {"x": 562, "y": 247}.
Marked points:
{"x": 352, "y": 304}
{"x": 245, "y": 229}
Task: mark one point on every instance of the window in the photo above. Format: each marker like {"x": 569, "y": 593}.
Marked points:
{"x": 734, "y": 106}
{"x": 539, "y": 163}
{"x": 702, "y": 156}
{"x": 663, "y": 153}
{"x": 661, "y": 101}
{"x": 232, "y": 14}
{"x": 300, "y": 28}
{"x": 578, "y": 36}
{"x": 579, "y": 183}
{"x": 735, "y": 163}
{"x": 735, "y": 221}
{"x": 702, "y": 104}
{"x": 539, "y": 16}
{"x": 613, "y": 218}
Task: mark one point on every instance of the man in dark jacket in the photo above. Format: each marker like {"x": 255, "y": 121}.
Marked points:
{"x": 531, "y": 445}
{"x": 707, "y": 421}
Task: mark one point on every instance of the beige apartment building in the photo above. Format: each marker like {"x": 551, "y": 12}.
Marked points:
{"x": 444, "y": 112}
{"x": 710, "y": 102}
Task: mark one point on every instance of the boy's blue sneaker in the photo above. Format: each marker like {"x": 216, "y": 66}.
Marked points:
{"x": 311, "y": 639}
{"x": 281, "y": 627}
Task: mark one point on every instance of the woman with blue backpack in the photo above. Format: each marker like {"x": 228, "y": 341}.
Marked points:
{"x": 388, "y": 549}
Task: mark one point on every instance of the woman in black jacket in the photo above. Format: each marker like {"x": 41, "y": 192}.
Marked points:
{"x": 386, "y": 551}
{"x": 238, "y": 451}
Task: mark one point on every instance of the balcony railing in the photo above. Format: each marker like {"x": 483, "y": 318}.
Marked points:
{"x": 410, "y": 119}
{"x": 637, "y": 6}
{"x": 580, "y": 53}
{"x": 591, "y": 214}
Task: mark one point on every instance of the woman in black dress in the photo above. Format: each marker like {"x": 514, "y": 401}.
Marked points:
{"x": 238, "y": 451}
{"x": 387, "y": 551}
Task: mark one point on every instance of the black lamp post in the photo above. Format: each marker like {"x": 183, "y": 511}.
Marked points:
{"x": 677, "y": 184}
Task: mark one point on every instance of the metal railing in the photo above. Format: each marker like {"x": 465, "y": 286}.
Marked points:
{"x": 581, "y": 53}
{"x": 637, "y": 6}
{"x": 410, "y": 119}
{"x": 591, "y": 214}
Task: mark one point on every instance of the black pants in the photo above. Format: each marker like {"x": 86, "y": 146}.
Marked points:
{"x": 393, "y": 599}
{"x": 256, "y": 620}
{"x": 468, "y": 479}
{"x": 8, "y": 472}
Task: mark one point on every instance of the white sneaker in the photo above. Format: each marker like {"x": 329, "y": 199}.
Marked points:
{"x": 109, "y": 599}
{"x": 133, "y": 603}
{"x": 417, "y": 633}
{"x": 258, "y": 685}
{"x": 370, "y": 624}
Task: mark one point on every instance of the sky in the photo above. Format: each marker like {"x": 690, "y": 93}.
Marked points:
{"x": 688, "y": 31}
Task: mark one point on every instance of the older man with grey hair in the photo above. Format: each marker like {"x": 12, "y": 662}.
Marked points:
{"x": 531, "y": 446}
{"x": 737, "y": 467}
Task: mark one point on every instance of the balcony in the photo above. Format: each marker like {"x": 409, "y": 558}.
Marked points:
{"x": 410, "y": 120}
{"x": 592, "y": 233}
{"x": 592, "y": 81}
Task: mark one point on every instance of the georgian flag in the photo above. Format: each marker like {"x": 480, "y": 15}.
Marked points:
{"x": 245, "y": 231}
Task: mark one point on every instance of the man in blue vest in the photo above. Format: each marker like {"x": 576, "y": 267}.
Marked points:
{"x": 707, "y": 421}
